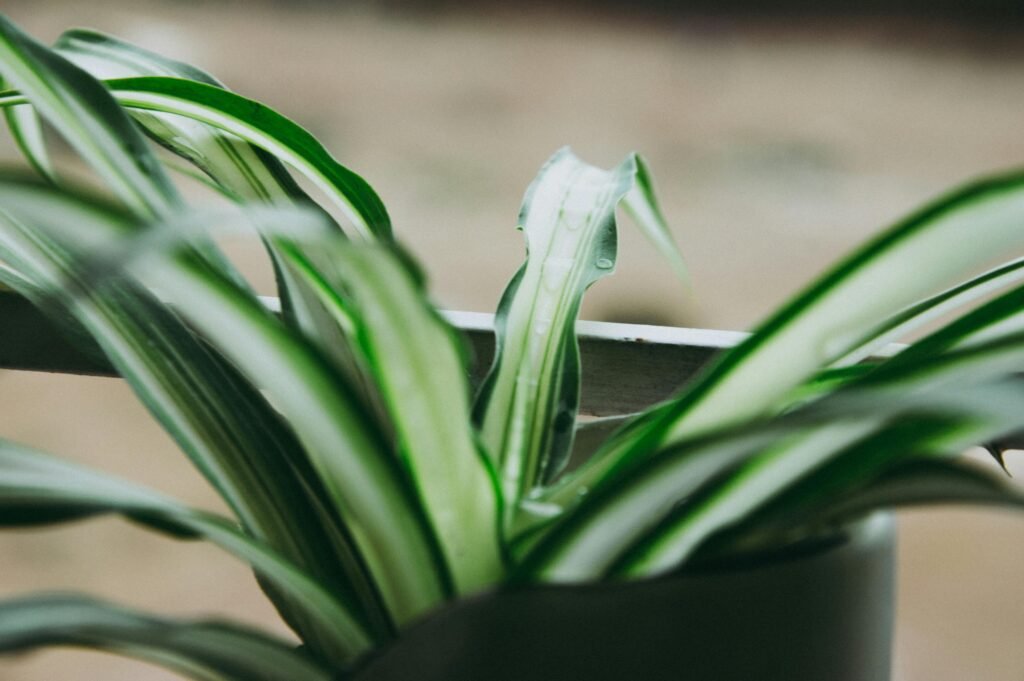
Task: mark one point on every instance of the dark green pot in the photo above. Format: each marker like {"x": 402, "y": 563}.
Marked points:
{"x": 823, "y": 615}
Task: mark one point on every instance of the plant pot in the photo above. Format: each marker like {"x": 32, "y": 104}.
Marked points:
{"x": 823, "y": 614}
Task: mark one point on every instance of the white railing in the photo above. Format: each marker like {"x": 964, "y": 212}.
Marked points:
{"x": 626, "y": 367}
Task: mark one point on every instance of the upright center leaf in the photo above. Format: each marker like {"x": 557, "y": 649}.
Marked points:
{"x": 527, "y": 405}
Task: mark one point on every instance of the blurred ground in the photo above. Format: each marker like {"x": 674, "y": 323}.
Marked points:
{"x": 776, "y": 146}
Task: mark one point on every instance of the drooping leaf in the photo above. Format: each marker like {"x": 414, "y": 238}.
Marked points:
{"x": 88, "y": 117}
{"x": 39, "y": 489}
{"x": 206, "y": 650}
{"x": 91, "y": 121}
{"x": 642, "y": 205}
{"x": 265, "y": 128}
{"x": 234, "y": 167}
{"x": 27, "y": 130}
{"x": 235, "y": 141}
{"x": 241, "y": 169}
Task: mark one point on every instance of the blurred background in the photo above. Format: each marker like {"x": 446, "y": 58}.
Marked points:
{"x": 780, "y": 135}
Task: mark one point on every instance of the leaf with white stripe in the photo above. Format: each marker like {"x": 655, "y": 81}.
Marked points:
{"x": 416, "y": 359}
{"x": 642, "y": 205}
{"x": 820, "y": 503}
{"x": 974, "y": 414}
{"x": 363, "y": 482}
{"x": 235, "y": 438}
{"x": 829, "y": 319}
{"x": 89, "y": 119}
{"x": 237, "y": 168}
{"x": 925, "y": 482}
{"x": 527, "y": 405}
{"x": 39, "y": 489}
{"x": 655, "y": 513}
{"x": 242, "y": 169}
{"x": 206, "y": 650}
{"x": 27, "y": 130}
{"x": 931, "y": 309}
{"x": 265, "y": 128}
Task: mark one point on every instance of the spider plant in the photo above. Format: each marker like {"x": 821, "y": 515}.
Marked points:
{"x": 367, "y": 485}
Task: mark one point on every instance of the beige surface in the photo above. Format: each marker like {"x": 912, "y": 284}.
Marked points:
{"x": 775, "y": 149}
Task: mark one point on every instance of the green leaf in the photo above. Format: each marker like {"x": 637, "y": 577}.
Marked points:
{"x": 969, "y": 419}
{"x": 235, "y": 438}
{"x": 582, "y": 544}
{"x": 998, "y": 318}
{"x": 828, "y": 381}
{"x": 39, "y": 489}
{"x": 527, "y": 404}
{"x": 96, "y": 51}
{"x": 827, "y": 321}
{"x": 822, "y": 323}
{"x": 27, "y": 130}
{"x": 82, "y": 110}
{"x": 241, "y": 169}
{"x": 91, "y": 121}
{"x": 929, "y": 481}
{"x": 188, "y": 116}
{"x": 919, "y": 314}
{"x": 207, "y": 650}
{"x": 236, "y": 168}
{"x": 658, "y": 511}
{"x": 416, "y": 360}
{"x": 839, "y": 494}
{"x": 363, "y": 483}
{"x": 642, "y": 205}
{"x": 973, "y": 324}
{"x": 265, "y": 128}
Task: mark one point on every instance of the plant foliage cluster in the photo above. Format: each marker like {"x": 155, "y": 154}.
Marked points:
{"x": 367, "y": 487}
